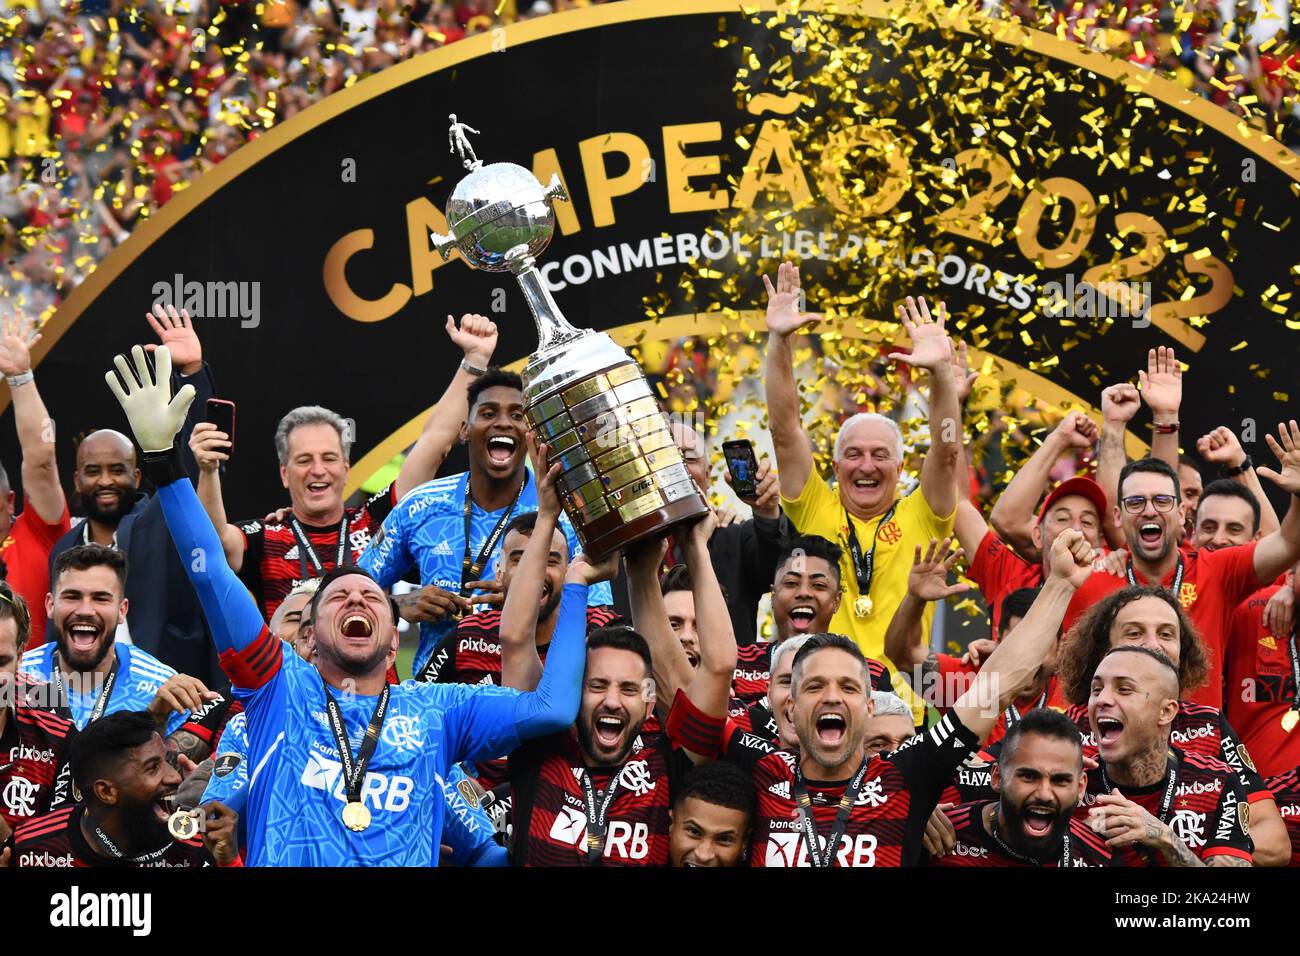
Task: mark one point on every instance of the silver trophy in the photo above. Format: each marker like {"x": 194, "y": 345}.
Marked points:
{"x": 623, "y": 478}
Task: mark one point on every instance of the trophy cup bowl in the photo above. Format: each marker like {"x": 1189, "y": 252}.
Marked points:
{"x": 622, "y": 477}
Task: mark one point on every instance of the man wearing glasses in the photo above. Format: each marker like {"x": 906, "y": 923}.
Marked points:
{"x": 1208, "y": 584}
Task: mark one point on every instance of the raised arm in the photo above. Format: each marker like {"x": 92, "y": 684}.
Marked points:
{"x": 932, "y": 350}
{"x": 794, "y": 458}
{"x": 1220, "y": 447}
{"x": 1013, "y": 515}
{"x": 1281, "y": 549}
{"x": 521, "y": 666}
{"x": 669, "y": 665}
{"x": 211, "y": 447}
{"x": 477, "y": 338}
{"x": 41, "y": 488}
{"x": 1119, "y": 403}
{"x": 1020, "y": 654}
{"x": 710, "y": 688}
{"x": 927, "y": 581}
{"x": 156, "y": 418}
{"x": 1162, "y": 390}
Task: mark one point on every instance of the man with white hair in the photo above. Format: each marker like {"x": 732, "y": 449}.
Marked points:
{"x": 877, "y": 529}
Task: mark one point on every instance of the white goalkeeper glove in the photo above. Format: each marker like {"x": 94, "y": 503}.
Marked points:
{"x": 155, "y": 415}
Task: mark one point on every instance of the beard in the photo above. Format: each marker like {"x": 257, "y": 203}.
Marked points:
{"x": 587, "y": 740}
{"x": 111, "y": 515}
{"x": 552, "y": 602}
{"x": 1036, "y": 847}
{"x": 355, "y": 666}
{"x": 76, "y": 660}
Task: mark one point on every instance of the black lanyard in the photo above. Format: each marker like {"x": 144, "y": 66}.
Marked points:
{"x": 109, "y": 847}
{"x": 1173, "y": 588}
{"x": 993, "y": 832}
{"x": 816, "y": 856}
{"x": 62, "y": 703}
{"x": 1295, "y": 670}
{"x": 597, "y": 814}
{"x": 307, "y": 553}
{"x": 864, "y": 565}
{"x": 354, "y": 770}
{"x": 1166, "y": 800}
{"x": 471, "y": 571}
{"x": 1012, "y": 714}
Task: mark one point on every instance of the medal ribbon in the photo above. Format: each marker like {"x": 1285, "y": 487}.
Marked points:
{"x": 470, "y": 571}
{"x": 62, "y": 705}
{"x": 307, "y": 553}
{"x": 816, "y": 856}
{"x": 1065, "y": 846}
{"x": 111, "y": 849}
{"x": 1166, "y": 800}
{"x": 597, "y": 814}
{"x": 1174, "y": 588}
{"x": 354, "y": 769}
{"x": 1012, "y": 714}
{"x": 1295, "y": 668}
{"x": 864, "y": 565}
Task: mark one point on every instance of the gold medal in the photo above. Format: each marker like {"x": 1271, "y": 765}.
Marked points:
{"x": 356, "y": 817}
{"x": 1289, "y": 720}
{"x": 182, "y": 825}
{"x": 862, "y": 606}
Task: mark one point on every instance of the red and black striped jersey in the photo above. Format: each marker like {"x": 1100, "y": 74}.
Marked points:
{"x": 1285, "y": 788}
{"x": 753, "y": 671}
{"x": 33, "y": 769}
{"x": 1198, "y": 728}
{"x": 471, "y": 654}
{"x": 549, "y": 812}
{"x": 976, "y": 846}
{"x": 1209, "y": 813}
{"x": 55, "y": 840}
{"x": 274, "y": 565}
{"x": 887, "y": 821}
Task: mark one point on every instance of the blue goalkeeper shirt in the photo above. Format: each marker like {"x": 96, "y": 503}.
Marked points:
{"x": 468, "y": 831}
{"x": 427, "y": 528}
{"x": 139, "y": 675}
{"x": 296, "y": 792}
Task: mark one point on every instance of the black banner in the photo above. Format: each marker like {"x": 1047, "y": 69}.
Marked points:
{"x": 307, "y": 253}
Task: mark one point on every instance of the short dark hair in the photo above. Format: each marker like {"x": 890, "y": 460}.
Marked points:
{"x": 621, "y": 638}
{"x": 332, "y": 575}
{"x": 812, "y": 546}
{"x": 720, "y": 783}
{"x": 494, "y": 377}
{"x": 1155, "y": 655}
{"x": 13, "y": 605}
{"x": 678, "y": 578}
{"x": 1018, "y": 603}
{"x": 1088, "y": 641}
{"x": 1187, "y": 461}
{"x": 86, "y": 556}
{"x": 523, "y": 523}
{"x": 99, "y": 750}
{"x": 1225, "y": 488}
{"x": 1042, "y": 721}
{"x": 1157, "y": 465}
{"x": 819, "y": 642}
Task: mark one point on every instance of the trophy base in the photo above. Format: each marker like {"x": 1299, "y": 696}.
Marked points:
{"x": 619, "y": 536}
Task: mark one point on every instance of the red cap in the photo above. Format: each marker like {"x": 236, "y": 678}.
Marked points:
{"x": 1078, "y": 485}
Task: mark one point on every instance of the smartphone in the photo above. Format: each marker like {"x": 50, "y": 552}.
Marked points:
{"x": 222, "y": 414}
{"x": 743, "y": 465}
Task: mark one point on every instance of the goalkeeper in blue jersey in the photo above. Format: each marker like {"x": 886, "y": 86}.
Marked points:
{"x": 345, "y": 768}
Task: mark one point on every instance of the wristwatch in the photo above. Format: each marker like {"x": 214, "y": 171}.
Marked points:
{"x": 472, "y": 369}
{"x": 1246, "y": 464}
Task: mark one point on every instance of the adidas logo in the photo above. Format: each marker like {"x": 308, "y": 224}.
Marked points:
{"x": 443, "y": 548}
{"x": 780, "y": 789}
{"x": 1269, "y": 642}
{"x": 487, "y": 679}
{"x": 291, "y": 554}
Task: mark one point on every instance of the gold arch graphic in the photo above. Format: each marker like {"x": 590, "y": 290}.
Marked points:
{"x": 1133, "y": 78}
{"x": 710, "y": 323}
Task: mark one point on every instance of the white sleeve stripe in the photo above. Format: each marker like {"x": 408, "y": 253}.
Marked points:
{"x": 265, "y": 757}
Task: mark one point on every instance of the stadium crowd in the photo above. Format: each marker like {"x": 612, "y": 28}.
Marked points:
{"x": 183, "y": 690}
